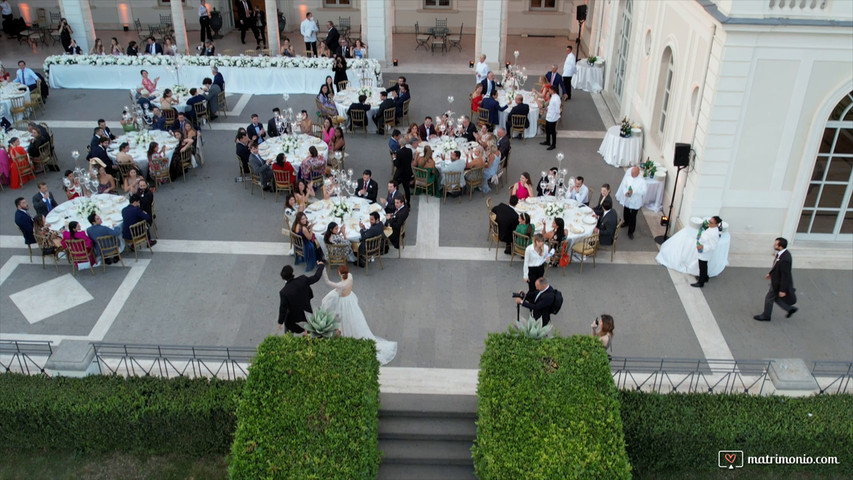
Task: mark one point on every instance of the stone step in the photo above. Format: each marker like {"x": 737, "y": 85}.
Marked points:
{"x": 392, "y": 471}
{"x": 418, "y": 405}
{"x": 426, "y": 452}
{"x": 427, "y": 428}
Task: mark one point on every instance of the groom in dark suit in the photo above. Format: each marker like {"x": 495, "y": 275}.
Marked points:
{"x": 296, "y": 298}
{"x": 782, "y": 290}
{"x": 396, "y": 220}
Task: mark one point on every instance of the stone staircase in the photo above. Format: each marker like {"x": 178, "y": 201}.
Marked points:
{"x": 427, "y": 437}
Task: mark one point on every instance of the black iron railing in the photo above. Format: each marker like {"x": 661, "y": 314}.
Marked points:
{"x": 173, "y": 360}
{"x": 24, "y": 356}
{"x": 833, "y": 377}
{"x": 685, "y": 375}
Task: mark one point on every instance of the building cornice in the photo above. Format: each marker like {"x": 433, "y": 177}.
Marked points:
{"x": 724, "y": 19}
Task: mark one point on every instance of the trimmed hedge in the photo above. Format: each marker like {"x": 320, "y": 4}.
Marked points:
{"x": 683, "y": 432}
{"x": 109, "y": 413}
{"x": 547, "y": 410}
{"x": 310, "y": 410}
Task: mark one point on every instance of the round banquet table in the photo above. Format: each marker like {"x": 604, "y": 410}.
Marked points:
{"x": 441, "y": 149}
{"x": 320, "y": 214}
{"x": 139, "y": 146}
{"x": 109, "y": 208}
{"x": 344, "y": 99}
{"x": 9, "y": 91}
{"x": 580, "y": 220}
{"x": 273, "y": 146}
{"x": 589, "y": 78}
{"x": 679, "y": 251}
{"x": 619, "y": 151}
{"x": 508, "y": 98}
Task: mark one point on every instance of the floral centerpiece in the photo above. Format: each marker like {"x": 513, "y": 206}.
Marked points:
{"x": 180, "y": 90}
{"x": 625, "y": 129}
{"x": 341, "y": 209}
{"x": 366, "y": 91}
{"x": 592, "y": 60}
{"x": 289, "y": 145}
{"x": 554, "y": 210}
{"x": 144, "y": 139}
{"x": 86, "y": 208}
{"x": 446, "y": 145}
{"x": 510, "y": 96}
{"x": 649, "y": 168}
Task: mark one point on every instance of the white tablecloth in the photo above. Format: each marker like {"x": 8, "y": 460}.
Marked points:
{"x": 320, "y": 214}
{"x": 109, "y": 208}
{"x": 532, "y": 115}
{"x": 654, "y": 194}
{"x": 589, "y": 78}
{"x": 679, "y": 251}
{"x": 580, "y": 221}
{"x": 273, "y": 146}
{"x": 344, "y": 99}
{"x": 23, "y": 135}
{"x": 260, "y": 81}
{"x": 139, "y": 146}
{"x": 622, "y": 152}
{"x": 7, "y": 93}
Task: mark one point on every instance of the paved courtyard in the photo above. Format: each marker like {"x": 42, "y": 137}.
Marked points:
{"x": 213, "y": 278}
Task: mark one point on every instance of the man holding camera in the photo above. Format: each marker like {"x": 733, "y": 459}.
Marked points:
{"x": 539, "y": 301}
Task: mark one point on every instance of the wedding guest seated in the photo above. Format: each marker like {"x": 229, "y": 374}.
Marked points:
{"x": 124, "y": 158}
{"x": 402, "y": 96}
{"x": 468, "y": 129}
{"x": 73, "y": 48}
{"x": 328, "y": 131}
{"x": 176, "y": 167}
{"x": 181, "y": 123}
{"x": 367, "y": 187}
{"x": 306, "y": 126}
{"x": 75, "y": 232}
{"x": 242, "y": 149}
{"x": 477, "y": 98}
{"x": 579, "y": 191}
{"x": 290, "y": 210}
{"x": 338, "y": 143}
{"x": 325, "y": 102}
{"x": 379, "y": 116}
{"x": 158, "y": 121}
{"x": 376, "y": 229}
{"x": 523, "y": 188}
{"x": 507, "y": 219}
{"x": 71, "y": 185}
{"x": 157, "y": 160}
{"x": 494, "y": 107}
{"x": 524, "y": 228}
{"x": 37, "y": 141}
{"x": 281, "y": 164}
{"x": 393, "y": 194}
{"x": 605, "y": 193}
{"x": 304, "y": 192}
{"x": 146, "y": 198}
{"x": 256, "y": 130}
{"x": 476, "y": 157}
{"x": 106, "y": 182}
{"x": 132, "y": 214}
{"x": 336, "y": 235}
{"x": 558, "y": 231}
{"x": 360, "y": 105}
{"x": 149, "y": 85}
{"x": 132, "y": 49}
{"x": 396, "y": 220}
{"x": 520, "y": 108}
{"x": 43, "y": 201}
{"x": 130, "y": 183}
{"x": 483, "y": 136}
{"x": 312, "y": 162}
{"x": 115, "y": 48}
{"x": 456, "y": 165}
{"x": 218, "y": 79}
{"x": 493, "y": 163}
{"x": 311, "y": 251}
{"x": 425, "y": 160}
{"x": 97, "y": 230}
{"x": 286, "y": 49}
{"x": 211, "y": 94}
{"x": 195, "y": 97}
{"x": 26, "y": 76}
{"x": 427, "y": 130}
{"x": 54, "y": 239}
{"x": 261, "y": 167}
{"x": 412, "y": 136}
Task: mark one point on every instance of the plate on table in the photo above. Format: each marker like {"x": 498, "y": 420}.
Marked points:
{"x": 571, "y": 202}
{"x": 522, "y": 207}
{"x": 316, "y": 206}
{"x": 115, "y": 217}
{"x": 585, "y": 209}
{"x": 590, "y": 220}
{"x": 575, "y": 228}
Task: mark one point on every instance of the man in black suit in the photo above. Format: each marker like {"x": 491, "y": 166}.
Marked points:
{"x": 554, "y": 79}
{"x": 24, "y": 221}
{"x": 153, "y": 48}
{"x": 100, "y": 152}
{"x": 367, "y": 187}
{"x": 296, "y": 298}
{"x": 245, "y": 19}
{"x": 243, "y": 150}
{"x": 396, "y": 220}
{"x": 427, "y": 129}
{"x": 333, "y": 37}
{"x": 469, "y": 129}
{"x": 259, "y": 27}
{"x": 396, "y": 87}
{"x": 403, "y": 174}
{"x": 276, "y": 126}
{"x": 146, "y": 197}
{"x": 256, "y": 130}
{"x": 605, "y": 194}
{"x": 393, "y": 193}
{"x": 507, "y": 219}
{"x": 344, "y": 49}
{"x": 782, "y": 290}
{"x": 132, "y": 214}
{"x": 539, "y": 301}
{"x": 378, "y": 117}
{"x": 402, "y": 96}
{"x": 490, "y": 84}
{"x": 102, "y": 124}
{"x": 607, "y": 222}
{"x": 520, "y": 108}
{"x": 376, "y": 229}
{"x": 360, "y": 105}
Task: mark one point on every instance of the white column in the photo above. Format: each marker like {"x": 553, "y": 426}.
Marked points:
{"x": 377, "y": 18}
{"x": 491, "y": 31}
{"x": 79, "y": 17}
{"x": 180, "y": 26}
{"x": 271, "y": 9}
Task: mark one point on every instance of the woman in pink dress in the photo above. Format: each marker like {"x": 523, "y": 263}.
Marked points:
{"x": 328, "y": 131}
{"x": 75, "y": 232}
{"x": 523, "y": 188}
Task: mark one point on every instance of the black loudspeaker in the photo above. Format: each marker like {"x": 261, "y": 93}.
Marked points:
{"x": 581, "y": 13}
{"x": 682, "y": 155}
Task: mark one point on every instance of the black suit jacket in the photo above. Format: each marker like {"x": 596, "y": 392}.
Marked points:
{"x": 375, "y": 230}
{"x": 41, "y": 207}
{"x": 540, "y": 308}
{"x": 469, "y": 132}
{"x": 372, "y": 189}
{"x": 607, "y": 227}
{"x": 253, "y": 132}
{"x": 520, "y": 109}
{"x": 332, "y": 39}
{"x": 781, "y": 280}
{"x": 389, "y": 201}
{"x": 23, "y": 220}
{"x": 507, "y": 220}
{"x": 504, "y": 146}
{"x": 345, "y": 52}
{"x": 485, "y": 84}
{"x": 494, "y": 108}
{"x": 146, "y": 201}
{"x": 558, "y": 82}
{"x": 379, "y": 119}
{"x": 396, "y": 222}
{"x": 599, "y": 210}
{"x": 403, "y": 162}
{"x": 157, "y": 48}
{"x": 243, "y": 153}
{"x": 296, "y": 298}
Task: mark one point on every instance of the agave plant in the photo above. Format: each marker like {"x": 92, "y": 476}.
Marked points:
{"x": 532, "y": 328}
{"x": 322, "y": 324}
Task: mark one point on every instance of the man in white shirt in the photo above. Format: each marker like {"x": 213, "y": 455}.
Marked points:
{"x": 204, "y": 21}
{"x": 26, "y": 76}
{"x": 705, "y": 244}
{"x": 481, "y": 69}
{"x": 569, "y": 68}
{"x": 456, "y": 165}
{"x": 309, "y": 30}
{"x": 630, "y": 195}
{"x": 552, "y": 115}
{"x": 580, "y": 192}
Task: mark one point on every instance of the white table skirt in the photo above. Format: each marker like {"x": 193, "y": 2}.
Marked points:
{"x": 532, "y": 115}
{"x": 109, "y": 208}
{"x": 578, "y": 219}
{"x": 654, "y": 194}
{"x": 259, "y": 81}
{"x": 589, "y": 78}
{"x": 679, "y": 253}
{"x": 621, "y": 152}
{"x": 8, "y": 92}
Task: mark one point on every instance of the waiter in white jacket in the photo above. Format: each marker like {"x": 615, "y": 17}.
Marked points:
{"x": 309, "y": 30}
{"x": 706, "y": 242}
{"x": 569, "y": 68}
{"x": 630, "y": 195}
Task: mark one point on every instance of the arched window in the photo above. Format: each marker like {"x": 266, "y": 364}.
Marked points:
{"x": 828, "y": 208}
{"x": 665, "y": 79}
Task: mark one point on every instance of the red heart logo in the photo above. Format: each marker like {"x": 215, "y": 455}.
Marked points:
{"x": 731, "y": 457}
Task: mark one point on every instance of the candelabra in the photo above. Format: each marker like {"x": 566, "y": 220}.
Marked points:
{"x": 341, "y": 183}
{"x": 514, "y": 77}
{"x": 557, "y": 184}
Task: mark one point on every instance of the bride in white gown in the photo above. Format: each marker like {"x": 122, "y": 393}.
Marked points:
{"x": 344, "y": 303}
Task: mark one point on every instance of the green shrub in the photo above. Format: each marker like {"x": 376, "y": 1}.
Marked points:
{"x": 109, "y": 413}
{"x": 547, "y": 410}
{"x": 310, "y": 410}
{"x": 683, "y": 432}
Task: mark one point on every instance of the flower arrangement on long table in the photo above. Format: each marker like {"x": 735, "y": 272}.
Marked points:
{"x": 367, "y": 64}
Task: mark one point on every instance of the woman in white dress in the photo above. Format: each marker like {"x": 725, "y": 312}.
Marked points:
{"x": 343, "y": 302}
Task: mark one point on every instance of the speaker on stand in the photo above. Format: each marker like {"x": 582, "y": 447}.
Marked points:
{"x": 581, "y": 17}
{"x": 681, "y": 160}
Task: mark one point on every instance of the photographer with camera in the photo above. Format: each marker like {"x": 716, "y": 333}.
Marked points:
{"x": 543, "y": 302}
{"x": 602, "y": 328}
